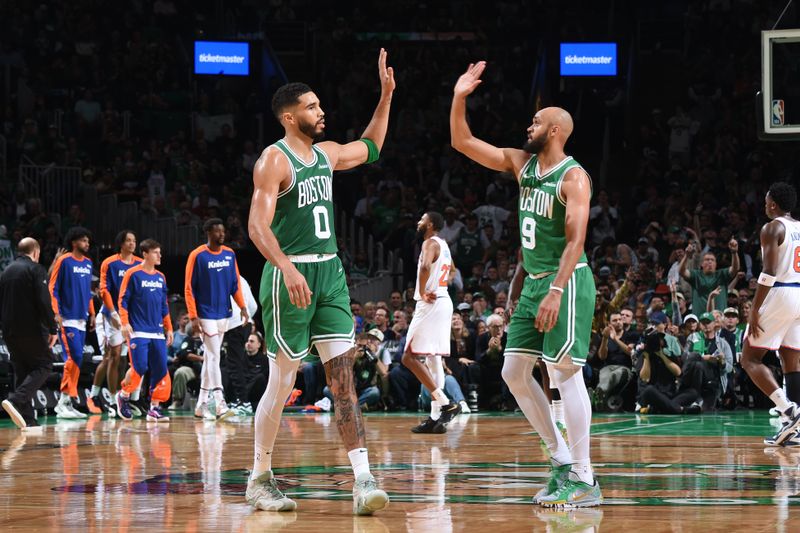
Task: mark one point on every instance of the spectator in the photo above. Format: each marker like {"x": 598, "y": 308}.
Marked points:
{"x": 462, "y": 361}
{"x": 180, "y": 334}
{"x": 615, "y": 362}
{"x": 367, "y": 366}
{"x": 708, "y": 277}
{"x": 659, "y": 371}
{"x": 489, "y": 354}
{"x": 185, "y": 367}
{"x": 382, "y": 324}
{"x": 452, "y": 226}
{"x": 712, "y": 361}
{"x": 395, "y": 301}
{"x": 603, "y": 220}
{"x": 468, "y": 248}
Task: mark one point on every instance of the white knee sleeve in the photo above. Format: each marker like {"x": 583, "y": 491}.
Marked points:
{"x": 282, "y": 375}
{"x": 330, "y": 349}
{"x": 518, "y": 374}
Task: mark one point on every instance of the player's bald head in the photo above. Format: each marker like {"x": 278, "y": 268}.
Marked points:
{"x": 27, "y": 246}
{"x": 556, "y": 116}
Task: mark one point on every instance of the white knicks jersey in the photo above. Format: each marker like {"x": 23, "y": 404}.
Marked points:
{"x": 440, "y": 271}
{"x": 788, "y": 268}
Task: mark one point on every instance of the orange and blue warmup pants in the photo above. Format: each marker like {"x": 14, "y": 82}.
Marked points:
{"x": 149, "y": 354}
{"x": 72, "y": 340}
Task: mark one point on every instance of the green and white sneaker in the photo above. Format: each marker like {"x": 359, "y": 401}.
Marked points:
{"x": 558, "y": 476}
{"x": 574, "y": 494}
{"x": 367, "y": 497}
{"x": 263, "y": 494}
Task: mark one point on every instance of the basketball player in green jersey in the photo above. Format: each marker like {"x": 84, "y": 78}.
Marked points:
{"x": 554, "y": 315}
{"x": 304, "y": 293}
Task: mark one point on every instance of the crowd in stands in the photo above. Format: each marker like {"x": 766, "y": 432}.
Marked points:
{"x": 673, "y": 234}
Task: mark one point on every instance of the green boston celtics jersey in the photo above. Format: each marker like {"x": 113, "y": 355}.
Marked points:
{"x": 303, "y": 222}
{"x": 542, "y": 216}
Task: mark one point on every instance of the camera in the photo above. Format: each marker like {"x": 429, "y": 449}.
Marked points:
{"x": 653, "y": 340}
{"x": 367, "y": 352}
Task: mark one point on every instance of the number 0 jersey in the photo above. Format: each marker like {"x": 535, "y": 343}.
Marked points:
{"x": 303, "y": 222}
{"x": 542, "y": 215}
{"x": 440, "y": 270}
{"x": 788, "y": 268}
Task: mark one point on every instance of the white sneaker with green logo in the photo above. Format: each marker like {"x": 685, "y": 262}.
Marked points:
{"x": 574, "y": 494}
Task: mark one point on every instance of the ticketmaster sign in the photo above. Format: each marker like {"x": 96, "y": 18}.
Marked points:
{"x": 588, "y": 59}
{"x": 226, "y": 59}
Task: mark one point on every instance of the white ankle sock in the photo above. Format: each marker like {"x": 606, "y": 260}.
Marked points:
{"x": 95, "y": 391}
{"x": 582, "y": 471}
{"x": 262, "y": 462}
{"x": 436, "y": 410}
{"x": 202, "y": 397}
{"x": 135, "y": 395}
{"x": 440, "y": 397}
{"x": 219, "y": 395}
{"x": 359, "y": 459}
{"x": 780, "y": 399}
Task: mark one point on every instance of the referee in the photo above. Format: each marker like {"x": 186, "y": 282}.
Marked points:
{"x": 29, "y": 329}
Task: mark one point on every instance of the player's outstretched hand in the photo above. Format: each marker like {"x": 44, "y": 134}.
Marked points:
{"x": 297, "y": 287}
{"x": 385, "y": 74}
{"x": 470, "y": 80}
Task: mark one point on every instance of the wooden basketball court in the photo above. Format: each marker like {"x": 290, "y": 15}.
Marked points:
{"x": 658, "y": 473}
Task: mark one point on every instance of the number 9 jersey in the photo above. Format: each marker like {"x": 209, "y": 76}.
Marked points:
{"x": 308, "y": 197}
{"x": 542, "y": 215}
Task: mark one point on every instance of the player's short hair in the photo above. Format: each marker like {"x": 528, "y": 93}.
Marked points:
{"x": 119, "y": 240}
{"x": 211, "y": 222}
{"x": 784, "y": 195}
{"x": 436, "y": 219}
{"x": 149, "y": 245}
{"x": 288, "y": 95}
{"x": 75, "y": 233}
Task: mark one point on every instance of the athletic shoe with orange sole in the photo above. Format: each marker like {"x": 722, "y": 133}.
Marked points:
{"x": 94, "y": 405}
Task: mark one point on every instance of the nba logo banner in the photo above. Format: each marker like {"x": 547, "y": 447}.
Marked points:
{"x": 777, "y": 113}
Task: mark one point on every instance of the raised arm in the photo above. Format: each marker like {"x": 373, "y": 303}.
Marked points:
{"x": 733, "y": 246}
{"x": 366, "y": 149}
{"x": 272, "y": 169}
{"x": 461, "y": 138}
{"x": 576, "y": 189}
{"x": 683, "y": 269}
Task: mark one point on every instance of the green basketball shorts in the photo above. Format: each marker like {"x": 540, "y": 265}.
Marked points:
{"x": 573, "y": 329}
{"x": 293, "y": 330}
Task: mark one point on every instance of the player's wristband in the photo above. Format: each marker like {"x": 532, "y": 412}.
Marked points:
{"x": 766, "y": 280}
{"x": 557, "y": 289}
{"x": 372, "y": 150}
